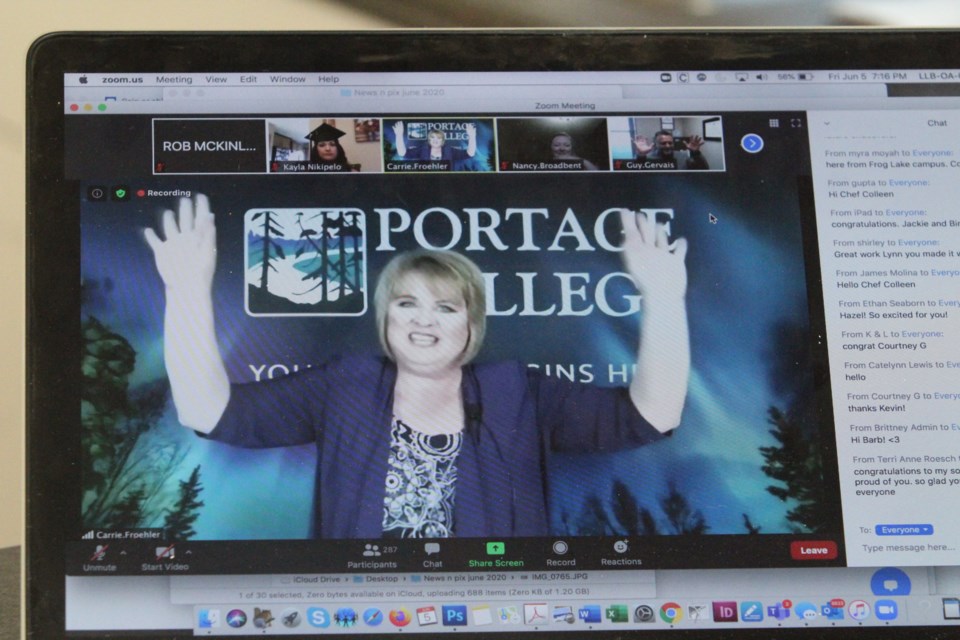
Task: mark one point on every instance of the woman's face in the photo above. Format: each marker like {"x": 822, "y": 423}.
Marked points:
{"x": 427, "y": 324}
{"x": 562, "y": 146}
{"x": 327, "y": 151}
{"x": 435, "y": 139}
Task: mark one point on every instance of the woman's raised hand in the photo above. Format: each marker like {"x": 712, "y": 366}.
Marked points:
{"x": 186, "y": 258}
{"x": 656, "y": 264}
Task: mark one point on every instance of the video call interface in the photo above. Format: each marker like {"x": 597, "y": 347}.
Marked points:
{"x": 508, "y": 372}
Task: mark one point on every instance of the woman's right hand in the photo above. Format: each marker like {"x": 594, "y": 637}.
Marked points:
{"x": 398, "y": 130}
{"x": 187, "y": 256}
{"x": 186, "y": 259}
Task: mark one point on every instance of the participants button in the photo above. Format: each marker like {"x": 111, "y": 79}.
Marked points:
{"x": 904, "y": 529}
{"x": 813, "y": 550}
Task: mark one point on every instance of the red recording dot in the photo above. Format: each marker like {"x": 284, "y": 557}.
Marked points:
{"x": 74, "y": 107}
{"x": 141, "y": 193}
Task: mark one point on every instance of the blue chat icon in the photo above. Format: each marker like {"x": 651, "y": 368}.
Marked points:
{"x": 890, "y": 581}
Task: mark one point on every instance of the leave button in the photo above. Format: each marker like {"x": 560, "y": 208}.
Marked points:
{"x": 813, "y": 550}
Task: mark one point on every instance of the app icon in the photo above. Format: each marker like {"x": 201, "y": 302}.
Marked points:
{"x": 886, "y": 609}
{"x": 318, "y": 617}
{"x": 208, "y": 618}
{"x": 345, "y": 617}
{"x": 751, "y": 611}
{"x": 643, "y": 613}
{"x": 806, "y": 611}
{"x": 698, "y": 613}
{"x": 832, "y": 610}
{"x": 399, "y": 617}
{"x": 725, "y": 611}
{"x": 120, "y": 193}
{"x": 509, "y": 615}
{"x": 535, "y": 613}
{"x": 858, "y": 610}
{"x": 482, "y": 616}
{"x": 616, "y": 613}
{"x": 778, "y": 611}
{"x": 496, "y": 548}
{"x": 97, "y": 193}
{"x": 564, "y": 614}
{"x": 291, "y": 618}
{"x": 262, "y": 618}
{"x": 671, "y": 612}
{"x": 890, "y": 581}
{"x": 951, "y": 608}
{"x": 373, "y": 617}
{"x": 589, "y": 613}
{"x": 427, "y": 616}
{"x": 454, "y": 615}
{"x": 236, "y": 618}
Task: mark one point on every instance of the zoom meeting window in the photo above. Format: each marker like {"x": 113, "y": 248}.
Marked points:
{"x": 418, "y": 366}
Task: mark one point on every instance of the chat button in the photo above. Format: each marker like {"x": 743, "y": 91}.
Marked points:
{"x": 890, "y": 581}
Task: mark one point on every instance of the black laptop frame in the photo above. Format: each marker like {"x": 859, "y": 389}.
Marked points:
{"x": 52, "y": 242}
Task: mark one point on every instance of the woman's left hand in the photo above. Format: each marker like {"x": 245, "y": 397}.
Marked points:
{"x": 656, "y": 264}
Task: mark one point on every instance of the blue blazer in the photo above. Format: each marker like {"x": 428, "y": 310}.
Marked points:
{"x": 515, "y": 418}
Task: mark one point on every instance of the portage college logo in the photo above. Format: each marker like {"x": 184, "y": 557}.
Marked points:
{"x": 305, "y": 262}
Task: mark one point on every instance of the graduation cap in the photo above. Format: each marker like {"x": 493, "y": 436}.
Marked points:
{"x": 325, "y": 133}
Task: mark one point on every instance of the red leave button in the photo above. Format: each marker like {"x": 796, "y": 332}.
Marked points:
{"x": 813, "y": 550}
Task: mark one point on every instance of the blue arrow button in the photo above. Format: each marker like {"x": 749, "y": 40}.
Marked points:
{"x": 752, "y": 143}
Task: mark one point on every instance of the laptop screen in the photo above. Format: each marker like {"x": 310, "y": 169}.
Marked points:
{"x": 415, "y": 351}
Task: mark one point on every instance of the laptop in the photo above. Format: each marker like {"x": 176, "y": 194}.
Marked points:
{"x": 500, "y": 334}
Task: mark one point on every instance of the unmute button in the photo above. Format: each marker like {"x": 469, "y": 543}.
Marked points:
{"x": 904, "y": 529}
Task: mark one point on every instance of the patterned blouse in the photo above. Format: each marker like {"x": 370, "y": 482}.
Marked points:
{"x": 421, "y": 483}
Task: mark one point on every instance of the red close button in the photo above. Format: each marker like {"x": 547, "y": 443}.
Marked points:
{"x": 813, "y": 550}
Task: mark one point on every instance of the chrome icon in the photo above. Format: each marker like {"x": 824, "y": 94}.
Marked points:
{"x": 671, "y": 612}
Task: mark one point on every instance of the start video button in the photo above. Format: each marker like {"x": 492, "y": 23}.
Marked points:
{"x": 813, "y": 550}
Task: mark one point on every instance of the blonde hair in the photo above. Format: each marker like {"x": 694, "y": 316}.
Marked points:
{"x": 437, "y": 266}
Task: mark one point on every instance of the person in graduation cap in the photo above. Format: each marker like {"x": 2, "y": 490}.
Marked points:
{"x": 325, "y": 148}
